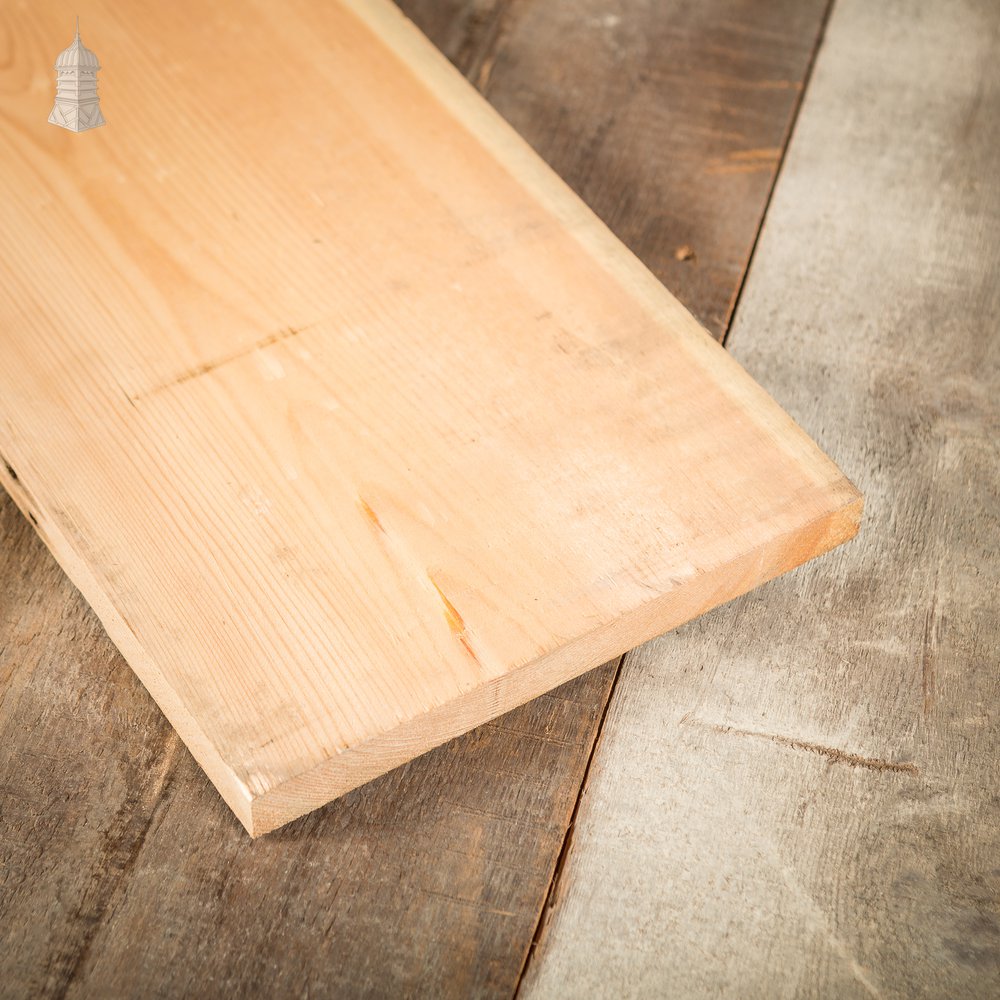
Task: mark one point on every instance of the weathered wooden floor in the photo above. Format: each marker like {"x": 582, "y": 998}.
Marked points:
{"x": 795, "y": 796}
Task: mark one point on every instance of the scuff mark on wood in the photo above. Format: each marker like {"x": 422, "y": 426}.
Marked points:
{"x": 209, "y": 366}
{"x": 834, "y": 754}
{"x": 483, "y": 76}
{"x": 768, "y": 153}
{"x": 745, "y": 161}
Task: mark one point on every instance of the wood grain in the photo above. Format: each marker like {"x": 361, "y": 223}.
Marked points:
{"x": 797, "y": 796}
{"x": 349, "y": 466}
{"x": 95, "y": 786}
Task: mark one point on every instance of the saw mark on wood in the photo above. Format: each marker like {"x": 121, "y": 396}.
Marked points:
{"x": 529, "y": 735}
{"x": 833, "y": 754}
{"x": 475, "y": 904}
{"x": 209, "y": 366}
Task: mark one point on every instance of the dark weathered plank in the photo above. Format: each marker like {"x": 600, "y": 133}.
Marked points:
{"x": 799, "y": 794}
{"x": 121, "y": 872}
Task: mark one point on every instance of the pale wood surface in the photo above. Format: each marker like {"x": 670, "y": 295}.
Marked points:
{"x": 797, "y": 796}
{"x": 349, "y": 465}
{"x": 102, "y": 810}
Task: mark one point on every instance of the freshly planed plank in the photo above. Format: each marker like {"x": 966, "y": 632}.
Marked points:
{"x": 101, "y": 809}
{"x": 797, "y": 796}
{"x": 350, "y": 464}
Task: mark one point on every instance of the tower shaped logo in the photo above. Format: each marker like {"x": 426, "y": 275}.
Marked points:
{"x": 77, "y": 105}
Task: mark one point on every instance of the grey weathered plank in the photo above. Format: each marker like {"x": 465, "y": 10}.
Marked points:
{"x": 121, "y": 872}
{"x": 799, "y": 795}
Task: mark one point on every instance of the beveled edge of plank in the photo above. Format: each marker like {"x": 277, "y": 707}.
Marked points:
{"x": 357, "y": 765}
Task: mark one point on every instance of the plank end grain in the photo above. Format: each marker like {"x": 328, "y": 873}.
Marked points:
{"x": 351, "y": 464}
